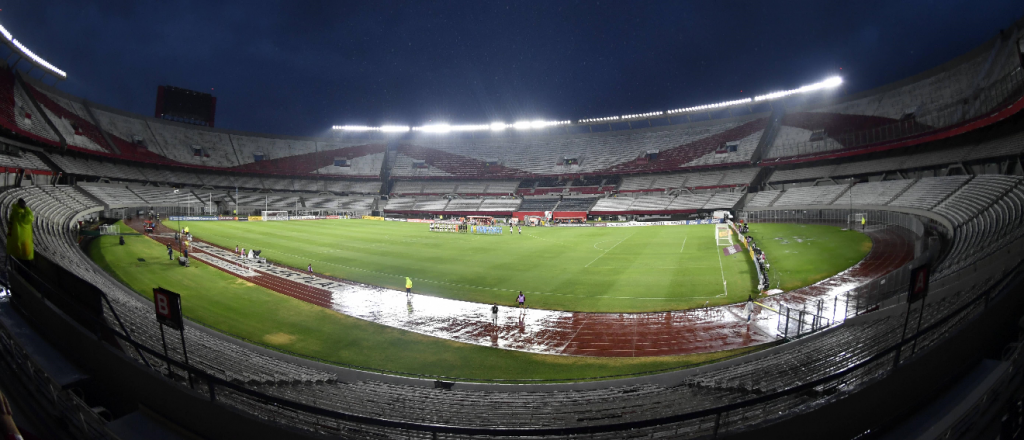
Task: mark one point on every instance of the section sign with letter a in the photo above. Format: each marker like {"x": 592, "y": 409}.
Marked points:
{"x": 168, "y": 308}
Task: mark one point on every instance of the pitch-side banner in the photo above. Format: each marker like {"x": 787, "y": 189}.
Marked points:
{"x": 190, "y": 218}
{"x": 668, "y": 223}
{"x": 418, "y": 220}
{"x": 370, "y": 217}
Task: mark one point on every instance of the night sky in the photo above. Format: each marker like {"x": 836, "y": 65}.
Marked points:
{"x": 298, "y": 67}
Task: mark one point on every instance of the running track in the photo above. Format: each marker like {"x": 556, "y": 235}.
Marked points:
{"x": 586, "y": 334}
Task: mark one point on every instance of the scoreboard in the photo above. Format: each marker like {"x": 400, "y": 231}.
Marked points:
{"x": 183, "y": 105}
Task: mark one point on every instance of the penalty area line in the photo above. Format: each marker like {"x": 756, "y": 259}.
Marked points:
{"x": 684, "y": 244}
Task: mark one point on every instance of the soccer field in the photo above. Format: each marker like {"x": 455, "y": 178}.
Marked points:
{"x": 632, "y": 269}
{"x": 236, "y": 307}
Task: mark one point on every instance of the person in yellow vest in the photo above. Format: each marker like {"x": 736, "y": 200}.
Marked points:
{"x": 19, "y": 232}
{"x": 408, "y": 286}
{"x": 863, "y": 221}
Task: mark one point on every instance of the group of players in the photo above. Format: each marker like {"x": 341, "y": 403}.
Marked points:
{"x": 463, "y": 227}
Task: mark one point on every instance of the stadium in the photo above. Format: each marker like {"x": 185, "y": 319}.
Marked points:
{"x": 802, "y": 263}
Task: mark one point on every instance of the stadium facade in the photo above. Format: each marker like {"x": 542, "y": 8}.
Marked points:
{"x": 937, "y": 155}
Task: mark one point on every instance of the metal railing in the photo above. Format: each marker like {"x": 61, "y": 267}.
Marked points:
{"x": 932, "y": 117}
{"x": 855, "y": 300}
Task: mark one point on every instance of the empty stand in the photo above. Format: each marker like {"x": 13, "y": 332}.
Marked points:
{"x": 811, "y": 195}
{"x": 873, "y": 193}
{"x": 929, "y": 191}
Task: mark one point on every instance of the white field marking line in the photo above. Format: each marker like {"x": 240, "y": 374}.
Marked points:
{"x": 457, "y": 284}
{"x": 600, "y": 249}
{"x": 724, "y": 285}
{"x": 605, "y": 252}
{"x": 684, "y": 244}
{"x": 586, "y": 317}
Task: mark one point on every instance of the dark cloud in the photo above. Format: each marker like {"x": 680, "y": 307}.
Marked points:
{"x": 299, "y": 67}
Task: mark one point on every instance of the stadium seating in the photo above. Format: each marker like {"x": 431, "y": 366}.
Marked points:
{"x": 25, "y": 160}
{"x": 929, "y": 191}
{"x": 532, "y": 204}
{"x": 811, "y": 195}
{"x": 114, "y": 196}
{"x": 430, "y": 205}
{"x": 71, "y": 120}
{"x": 723, "y": 200}
{"x": 500, "y": 205}
{"x": 400, "y": 204}
{"x": 469, "y": 187}
{"x": 807, "y": 173}
{"x": 873, "y": 193}
{"x": 660, "y": 182}
{"x": 988, "y": 213}
{"x": 464, "y": 205}
{"x": 763, "y": 199}
{"x": 612, "y": 204}
{"x": 575, "y": 204}
{"x": 19, "y": 115}
{"x": 690, "y": 145}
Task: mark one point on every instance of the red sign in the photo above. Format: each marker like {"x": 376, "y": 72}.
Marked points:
{"x": 168, "y": 308}
{"x": 918, "y": 283}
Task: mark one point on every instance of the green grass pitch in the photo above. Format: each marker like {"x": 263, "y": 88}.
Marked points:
{"x": 236, "y": 307}
{"x": 230, "y": 305}
{"x": 635, "y": 269}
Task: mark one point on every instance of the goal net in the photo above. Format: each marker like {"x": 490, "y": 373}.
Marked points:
{"x": 275, "y": 215}
{"x": 723, "y": 234}
{"x": 857, "y": 221}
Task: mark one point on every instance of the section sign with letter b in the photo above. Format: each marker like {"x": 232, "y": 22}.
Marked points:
{"x": 168, "y": 308}
{"x": 918, "y": 283}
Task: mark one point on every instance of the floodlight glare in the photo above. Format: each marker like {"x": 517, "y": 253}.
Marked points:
{"x": 829, "y": 83}
{"x": 36, "y": 58}
{"x": 6, "y": 34}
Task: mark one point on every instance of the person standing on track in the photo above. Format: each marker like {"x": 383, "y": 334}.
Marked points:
{"x": 749, "y": 308}
{"x": 521, "y": 299}
{"x": 494, "y": 314}
{"x": 408, "y": 286}
{"x": 309, "y": 268}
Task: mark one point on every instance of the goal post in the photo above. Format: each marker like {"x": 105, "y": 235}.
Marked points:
{"x": 723, "y": 234}
{"x": 856, "y": 220}
{"x": 275, "y": 215}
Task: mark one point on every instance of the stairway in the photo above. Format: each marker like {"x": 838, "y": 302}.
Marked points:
{"x": 771, "y": 130}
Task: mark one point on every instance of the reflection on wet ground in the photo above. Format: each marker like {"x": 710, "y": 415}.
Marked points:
{"x": 557, "y": 332}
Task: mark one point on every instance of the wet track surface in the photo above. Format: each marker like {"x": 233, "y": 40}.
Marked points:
{"x": 557, "y": 332}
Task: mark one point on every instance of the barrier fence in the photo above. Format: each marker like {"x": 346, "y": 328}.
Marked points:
{"x": 857, "y": 299}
